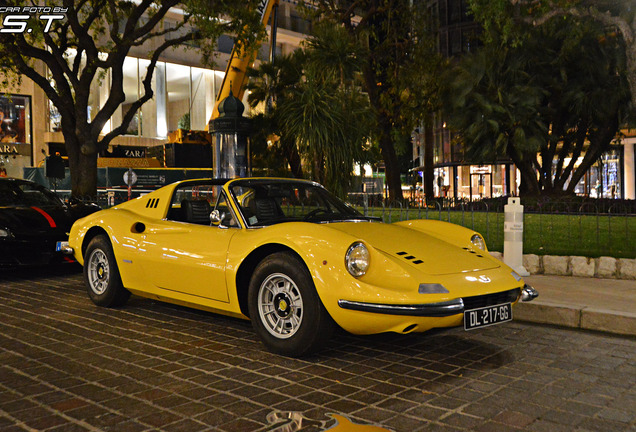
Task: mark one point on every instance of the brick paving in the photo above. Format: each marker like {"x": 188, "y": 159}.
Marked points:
{"x": 67, "y": 365}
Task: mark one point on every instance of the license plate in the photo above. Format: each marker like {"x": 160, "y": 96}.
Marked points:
{"x": 487, "y": 316}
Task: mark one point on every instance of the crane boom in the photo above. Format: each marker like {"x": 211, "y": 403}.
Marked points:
{"x": 236, "y": 71}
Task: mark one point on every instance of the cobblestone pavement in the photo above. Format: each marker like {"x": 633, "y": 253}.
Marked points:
{"x": 67, "y": 365}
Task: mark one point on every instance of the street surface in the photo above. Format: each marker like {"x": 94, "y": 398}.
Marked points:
{"x": 67, "y": 365}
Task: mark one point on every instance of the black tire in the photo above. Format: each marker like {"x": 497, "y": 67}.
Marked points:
{"x": 282, "y": 294}
{"x": 101, "y": 274}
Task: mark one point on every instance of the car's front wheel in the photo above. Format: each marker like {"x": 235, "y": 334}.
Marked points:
{"x": 101, "y": 274}
{"x": 285, "y": 309}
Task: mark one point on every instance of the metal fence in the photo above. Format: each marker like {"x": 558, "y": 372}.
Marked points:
{"x": 579, "y": 227}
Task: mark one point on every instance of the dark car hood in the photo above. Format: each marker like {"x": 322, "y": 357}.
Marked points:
{"x": 30, "y": 219}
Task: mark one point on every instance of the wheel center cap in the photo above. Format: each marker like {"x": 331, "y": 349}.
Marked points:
{"x": 100, "y": 272}
{"x": 282, "y": 305}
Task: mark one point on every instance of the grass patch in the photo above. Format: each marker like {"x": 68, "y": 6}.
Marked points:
{"x": 543, "y": 234}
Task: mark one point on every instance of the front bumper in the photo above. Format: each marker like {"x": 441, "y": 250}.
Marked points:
{"x": 446, "y": 308}
{"x": 441, "y": 309}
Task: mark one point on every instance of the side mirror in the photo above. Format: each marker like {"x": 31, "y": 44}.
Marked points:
{"x": 216, "y": 217}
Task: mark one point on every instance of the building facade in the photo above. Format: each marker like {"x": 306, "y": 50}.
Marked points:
{"x": 184, "y": 96}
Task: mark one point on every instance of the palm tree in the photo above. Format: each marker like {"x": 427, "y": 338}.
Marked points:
{"x": 559, "y": 95}
{"x": 317, "y": 111}
{"x": 272, "y": 83}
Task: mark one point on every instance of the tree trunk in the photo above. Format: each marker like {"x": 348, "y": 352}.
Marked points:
{"x": 83, "y": 168}
{"x": 293, "y": 157}
{"x": 391, "y": 166}
{"x": 429, "y": 170}
{"x": 529, "y": 184}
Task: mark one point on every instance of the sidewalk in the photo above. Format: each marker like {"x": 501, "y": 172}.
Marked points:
{"x": 607, "y": 305}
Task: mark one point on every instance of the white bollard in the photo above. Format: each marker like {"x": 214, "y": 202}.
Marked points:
{"x": 513, "y": 236}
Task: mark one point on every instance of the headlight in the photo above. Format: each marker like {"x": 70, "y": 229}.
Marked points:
{"x": 357, "y": 259}
{"x": 478, "y": 241}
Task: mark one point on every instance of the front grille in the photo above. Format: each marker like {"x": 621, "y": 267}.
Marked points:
{"x": 476, "y": 302}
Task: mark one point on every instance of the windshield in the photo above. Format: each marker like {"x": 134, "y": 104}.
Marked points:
{"x": 18, "y": 193}
{"x": 265, "y": 202}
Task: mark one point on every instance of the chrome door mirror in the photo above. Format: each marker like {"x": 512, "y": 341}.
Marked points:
{"x": 216, "y": 217}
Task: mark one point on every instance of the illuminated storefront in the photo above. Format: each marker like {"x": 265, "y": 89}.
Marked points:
{"x": 15, "y": 134}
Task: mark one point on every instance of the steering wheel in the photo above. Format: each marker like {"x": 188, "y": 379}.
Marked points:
{"x": 315, "y": 212}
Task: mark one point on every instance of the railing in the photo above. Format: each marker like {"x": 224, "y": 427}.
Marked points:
{"x": 577, "y": 227}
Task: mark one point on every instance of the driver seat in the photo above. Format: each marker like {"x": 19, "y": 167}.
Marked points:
{"x": 196, "y": 211}
{"x": 265, "y": 209}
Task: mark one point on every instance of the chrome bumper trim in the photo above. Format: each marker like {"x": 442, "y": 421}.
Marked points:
{"x": 62, "y": 246}
{"x": 441, "y": 309}
{"x": 528, "y": 293}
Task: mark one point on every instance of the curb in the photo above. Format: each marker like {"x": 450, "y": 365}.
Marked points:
{"x": 584, "y": 318}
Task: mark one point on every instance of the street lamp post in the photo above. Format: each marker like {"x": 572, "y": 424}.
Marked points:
{"x": 230, "y": 137}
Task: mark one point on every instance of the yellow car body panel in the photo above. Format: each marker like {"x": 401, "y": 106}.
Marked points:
{"x": 199, "y": 265}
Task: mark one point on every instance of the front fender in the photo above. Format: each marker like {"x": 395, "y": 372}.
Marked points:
{"x": 323, "y": 251}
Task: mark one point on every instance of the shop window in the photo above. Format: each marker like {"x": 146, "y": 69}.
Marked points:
{"x": 203, "y": 97}
{"x": 178, "y": 89}
{"x": 15, "y": 121}
{"x": 15, "y": 134}
{"x": 131, "y": 92}
{"x": 149, "y": 115}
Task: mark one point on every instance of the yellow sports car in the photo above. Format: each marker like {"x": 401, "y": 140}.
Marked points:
{"x": 294, "y": 259}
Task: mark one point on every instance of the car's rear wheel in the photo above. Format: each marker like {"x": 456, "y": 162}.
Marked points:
{"x": 101, "y": 274}
{"x": 285, "y": 309}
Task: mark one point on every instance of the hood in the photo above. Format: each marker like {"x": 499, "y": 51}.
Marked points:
{"x": 428, "y": 254}
{"x": 35, "y": 219}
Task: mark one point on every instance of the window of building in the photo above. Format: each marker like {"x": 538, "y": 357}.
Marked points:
{"x": 178, "y": 88}
{"x": 183, "y": 96}
{"x": 15, "y": 134}
{"x": 132, "y": 92}
{"x": 15, "y": 119}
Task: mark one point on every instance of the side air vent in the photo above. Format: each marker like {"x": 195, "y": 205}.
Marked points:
{"x": 152, "y": 203}
{"x": 472, "y": 252}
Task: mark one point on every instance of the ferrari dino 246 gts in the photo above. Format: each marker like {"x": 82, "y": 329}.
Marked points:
{"x": 294, "y": 259}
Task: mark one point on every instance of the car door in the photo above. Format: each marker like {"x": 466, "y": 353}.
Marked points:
{"x": 187, "y": 259}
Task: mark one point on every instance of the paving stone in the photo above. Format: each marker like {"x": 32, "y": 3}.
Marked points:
{"x": 627, "y": 268}
{"x": 606, "y": 267}
{"x": 556, "y": 265}
{"x": 66, "y": 365}
{"x": 532, "y": 263}
{"x": 582, "y": 266}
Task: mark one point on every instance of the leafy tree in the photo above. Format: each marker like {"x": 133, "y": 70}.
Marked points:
{"x": 502, "y": 18}
{"x": 394, "y": 43}
{"x": 100, "y": 34}
{"x": 271, "y": 85}
{"x": 544, "y": 102}
{"x": 318, "y": 110}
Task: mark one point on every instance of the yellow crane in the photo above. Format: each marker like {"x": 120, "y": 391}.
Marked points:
{"x": 235, "y": 78}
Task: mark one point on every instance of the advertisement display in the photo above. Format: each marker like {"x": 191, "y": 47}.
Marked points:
{"x": 15, "y": 134}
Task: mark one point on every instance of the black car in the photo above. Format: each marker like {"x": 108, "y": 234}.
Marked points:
{"x": 32, "y": 220}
